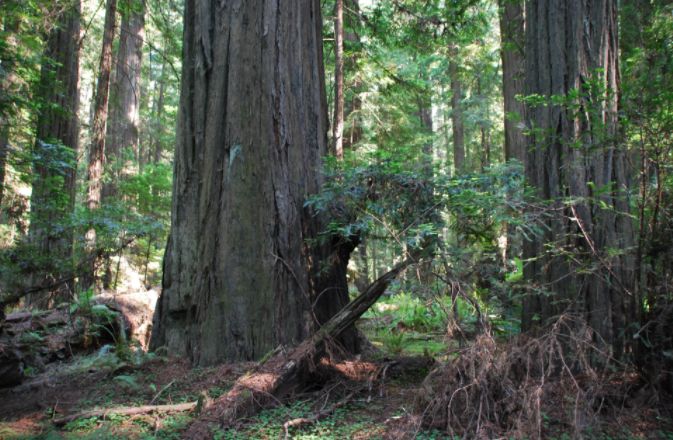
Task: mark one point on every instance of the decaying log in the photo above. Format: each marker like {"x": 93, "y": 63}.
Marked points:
{"x": 282, "y": 372}
{"x": 197, "y": 406}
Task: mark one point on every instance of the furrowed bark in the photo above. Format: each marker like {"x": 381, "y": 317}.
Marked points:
{"x": 572, "y": 51}
{"x": 246, "y": 268}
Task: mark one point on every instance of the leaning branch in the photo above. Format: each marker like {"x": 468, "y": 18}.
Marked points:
{"x": 281, "y": 374}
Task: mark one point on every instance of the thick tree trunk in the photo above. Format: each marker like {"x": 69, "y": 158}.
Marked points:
{"x": 121, "y": 147}
{"x": 572, "y": 46}
{"x": 338, "y": 126}
{"x": 457, "y": 122}
{"x": 513, "y": 73}
{"x": 100, "y": 118}
{"x": 243, "y": 271}
{"x": 57, "y": 143}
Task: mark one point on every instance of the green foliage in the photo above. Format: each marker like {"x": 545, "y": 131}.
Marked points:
{"x": 268, "y": 424}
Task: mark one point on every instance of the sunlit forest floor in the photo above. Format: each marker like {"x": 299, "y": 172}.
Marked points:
{"x": 379, "y": 395}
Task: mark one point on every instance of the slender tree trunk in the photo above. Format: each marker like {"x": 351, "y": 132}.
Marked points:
{"x": 56, "y": 147}
{"x": 123, "y": 131}
{"x": 513, "y": 73}
{"x": 123, "y": 134}
{"x": 424, "y": 270}
{"x": 352, "y": 43}
{"x": 7, "y": 85}
{"x": 338, "y": 126}
{"x": 97, "y": 149}
{"x": 484, "y": 134}
{"x": 457, "y": 113}
{"x": 243, "y": 271}
{"x": 157, "y": 144}
{"x": 576, "y": 155}
{"x": 512, "y": 51}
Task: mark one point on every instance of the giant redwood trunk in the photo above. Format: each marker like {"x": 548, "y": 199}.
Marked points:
{"x": 577, "y": 164}
{"x": 244, "y": 270}
{"x": 57, "y": 143}
{"x": 121, "y": 147}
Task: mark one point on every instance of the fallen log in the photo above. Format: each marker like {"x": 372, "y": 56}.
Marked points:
{"x": 197, "y": 406}
{"x": 281, "y": 373}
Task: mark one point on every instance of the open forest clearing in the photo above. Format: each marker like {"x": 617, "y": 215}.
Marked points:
{"x": 331, "y": 219}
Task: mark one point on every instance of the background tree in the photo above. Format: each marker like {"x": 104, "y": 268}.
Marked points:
{"x": 123, "y": 130}
{"x": 57, "y": 144}
{"x": 513, "y": 71}
{"x": 100, "y": 119}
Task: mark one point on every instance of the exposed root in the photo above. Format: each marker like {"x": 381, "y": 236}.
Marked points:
{"x": 519, "y": 389}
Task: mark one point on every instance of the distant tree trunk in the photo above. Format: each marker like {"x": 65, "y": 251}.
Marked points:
{"x": 484, "y": 132}
{"x": 56, "y": 146}
{"x": 572, "y": 46}
{"x": 338, "y": 126}
{"x": 424, "y": 270}
{"x": 156, "y": 149}
{"x": 97, "y": 149}
{"x": 457, "y": 122}
{"x": 243, "y": 270}
{"x": 513, "y": 73}
{"x": 123, "y": 132}
{"x": 353, "y": 106}
{"x": 7, "y": 84}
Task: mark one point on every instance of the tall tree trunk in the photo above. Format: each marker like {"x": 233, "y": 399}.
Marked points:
{"x": 121, "y": 148}
{"x": 8, "y": 79}
{"x": 484, "y": 132}
{"x": 571, "y": 49}
{"x": 156, "y": 150}
{"x": 57, "y": 143}
{"x": 100, "y": 118}
{"x": 512, "y": 52}
{"x": 513, "y": 73}
{"x": 352, "y": 44}
{"x": 457, "y": 122}
{"x": 424, "y": 270}
{"x": 123, "y": 131}
{"x": 338, "y": 126}
{"x": 243, "y": 271}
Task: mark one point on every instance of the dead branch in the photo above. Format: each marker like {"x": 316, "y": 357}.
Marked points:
{"x": 281, "y": 374}
{"x": 294, "y": 423}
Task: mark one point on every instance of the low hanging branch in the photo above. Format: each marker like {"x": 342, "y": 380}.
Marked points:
{"x": 281, "y": 373}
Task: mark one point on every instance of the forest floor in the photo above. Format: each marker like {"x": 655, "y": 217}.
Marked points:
{"x": 365, "y": 398}
{"x": 378, "y": 408}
